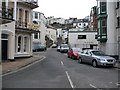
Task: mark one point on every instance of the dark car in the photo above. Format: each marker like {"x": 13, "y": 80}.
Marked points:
{"x": 73, "y": 53}
{"x": 38, "y": 47}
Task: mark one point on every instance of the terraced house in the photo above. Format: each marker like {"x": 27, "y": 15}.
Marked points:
{"x": 109, "y": 26}
{"x": 16, "y": 35}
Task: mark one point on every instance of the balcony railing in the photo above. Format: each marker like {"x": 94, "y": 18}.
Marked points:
{"x": 7, "y": 13}
{"x": 27, "y": 26}
{"x": 30, "y": 3}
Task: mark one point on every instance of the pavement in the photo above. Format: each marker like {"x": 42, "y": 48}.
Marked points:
{"x": 10, "y": 66}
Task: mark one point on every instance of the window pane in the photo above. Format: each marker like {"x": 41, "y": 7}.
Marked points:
{"x": 81, "y": 36}
{"x": 36, "y": 15}
{"x": 36, "y": 35}
{"x": 104, "y": 30}
{"x": 103, "y": 6}
{"x": 19, "y": 44}
{"x": 25, "y": 44}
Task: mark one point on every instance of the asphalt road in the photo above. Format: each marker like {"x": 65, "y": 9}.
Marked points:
{"x": 58, "y": 71}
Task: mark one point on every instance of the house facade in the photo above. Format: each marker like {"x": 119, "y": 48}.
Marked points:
{"x": 17, "y": 35}
{"x": 83, "y": 39}
{"x": 7, "y": 32}
{"x": 118, "y": 24}
{"x": 108, "y": 26}
{"x": 41, "y": 20}
{"x": 93, "y": 19}
{"x": 51, "y": 34}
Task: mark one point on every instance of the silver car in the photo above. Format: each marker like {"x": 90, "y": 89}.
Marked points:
{"x": 96, "y": 58}
{"x": 64, "y": 48}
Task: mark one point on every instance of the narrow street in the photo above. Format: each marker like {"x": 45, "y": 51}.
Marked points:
{"x": 59, "y": 71}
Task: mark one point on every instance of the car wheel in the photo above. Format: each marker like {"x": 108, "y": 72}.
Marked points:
{"x": 79, "y": 60}
{"x": 68, "y": 56}
{"x": 94, "y": 63}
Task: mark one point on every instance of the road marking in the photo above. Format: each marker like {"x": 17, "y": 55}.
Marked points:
{"x": 22, "y": 68}
{"x": 69, "y": 79}
{"x": 62, "y": 63}
{"x": 92, "y": 86}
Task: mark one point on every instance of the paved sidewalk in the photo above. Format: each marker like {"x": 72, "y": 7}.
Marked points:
{"x": 9, "y": 66}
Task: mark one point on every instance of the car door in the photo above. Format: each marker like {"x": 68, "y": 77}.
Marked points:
{"x": 89, "y": 57}
{"x": 84, "y": 56}
{"x": 69, "y": 51}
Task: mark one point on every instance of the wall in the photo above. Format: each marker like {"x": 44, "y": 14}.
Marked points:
{"x": 82, "y": 43}
{"x": 110, "y": 47}
{"x": 51, "y": 33}
{"x": 9, "y": 29}
{"x": 42, "y": 23}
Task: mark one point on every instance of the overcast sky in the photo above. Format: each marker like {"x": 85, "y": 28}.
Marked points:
{"x": 66, "y": 8}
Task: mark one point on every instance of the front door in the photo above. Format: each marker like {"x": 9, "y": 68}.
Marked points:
{"x": 4, "y": 49}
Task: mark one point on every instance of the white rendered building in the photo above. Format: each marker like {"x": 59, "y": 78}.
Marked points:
{"x": 52, "y": 20}
{"x": 51, "y": 34}
{"x": 83, "y": 39}
{"x": 41, "y": 20}
{"x": 109, "y": 26}
{"x": 16, "y": 36}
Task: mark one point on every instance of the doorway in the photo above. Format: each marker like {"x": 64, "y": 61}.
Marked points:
{"x": 4, "y": 49}
{"x": 4, "y": 46}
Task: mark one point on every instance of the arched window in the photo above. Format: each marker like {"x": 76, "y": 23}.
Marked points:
{"x": 16, "y": 43}
{"x": 19, "y": 43}
{"x": 25, "y": 44}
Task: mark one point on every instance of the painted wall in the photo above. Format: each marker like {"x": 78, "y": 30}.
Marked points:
{"x": 9, "y": 29}
{"x": 59, "y": 32}
{"x": 111, "y": 46}
{"x": 42, "y": 23}
{"x": 82, "y": 43}
{"x": 51, "y": 33}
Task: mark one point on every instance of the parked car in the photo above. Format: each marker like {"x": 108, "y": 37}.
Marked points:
{"x": 96, "y": 58}
{"x": 73, "y": 53}
{"x": 64, "y": 48}
{"x": 54, "y": 46}
{"x": 38, "y": 47}
{"x": 58, "y": 48}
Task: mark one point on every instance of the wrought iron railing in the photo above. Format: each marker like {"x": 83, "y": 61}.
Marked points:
{"x": 26, "y": 25}
{"x": 35, "y": 2}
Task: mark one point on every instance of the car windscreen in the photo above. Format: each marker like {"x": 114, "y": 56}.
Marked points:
{"x": 65, "y": 46}
{"x": 76, "y": 50}
{"x": 98, "y": 53}
{"x": 36, "y": 46}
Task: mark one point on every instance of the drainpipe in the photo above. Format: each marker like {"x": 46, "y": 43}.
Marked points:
{"x": 15, "y": 6}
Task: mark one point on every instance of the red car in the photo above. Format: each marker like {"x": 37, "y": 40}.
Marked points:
{"x": 73, "y": 53}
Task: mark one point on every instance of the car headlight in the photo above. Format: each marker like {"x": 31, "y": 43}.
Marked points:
{"x": 101, "y": 60}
